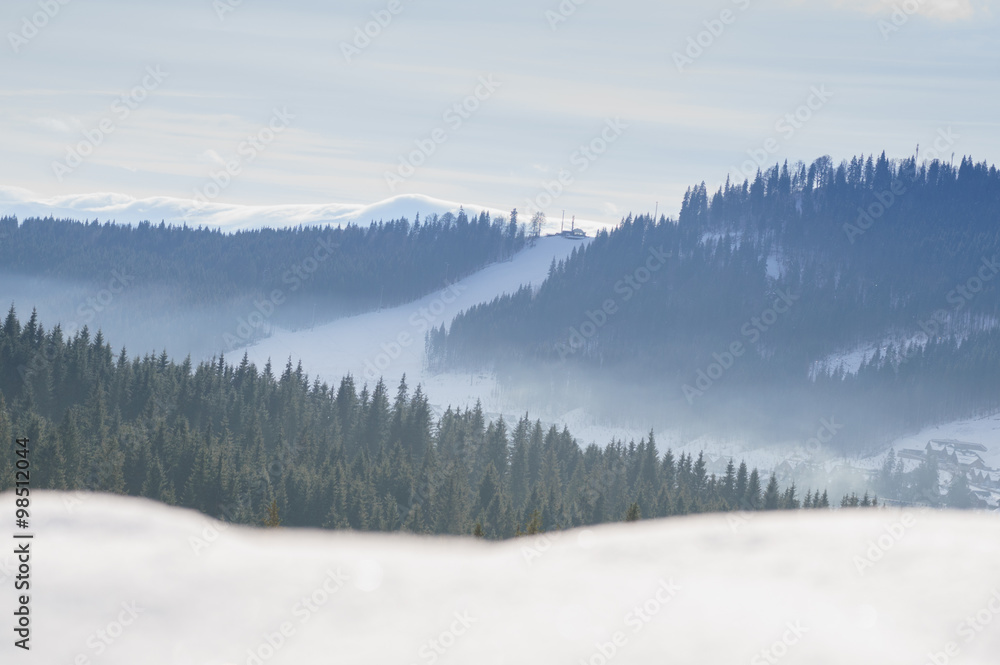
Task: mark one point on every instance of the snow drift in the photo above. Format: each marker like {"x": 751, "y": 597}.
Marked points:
{"x": 123, "y": 580}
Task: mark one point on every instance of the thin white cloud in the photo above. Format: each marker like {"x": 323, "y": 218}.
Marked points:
{"x": 54, "y": 125}
{"x": 211, "y": 157}
{"x": 947, "y": 10}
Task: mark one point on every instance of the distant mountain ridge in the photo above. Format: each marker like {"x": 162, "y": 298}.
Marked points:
{"x": 125, "y": 209}
{"x": 106, "y": 206}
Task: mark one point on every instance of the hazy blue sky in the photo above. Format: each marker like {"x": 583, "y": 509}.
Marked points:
{"x": 559, "y": 83}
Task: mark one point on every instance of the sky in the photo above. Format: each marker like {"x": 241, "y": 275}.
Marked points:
{"x": 594, "y": 107}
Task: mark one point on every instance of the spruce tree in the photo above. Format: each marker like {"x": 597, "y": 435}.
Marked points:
{"x": 273, "y": 519}
{"x": 751, "y": 499}
{"x": 959, "y": 493}
{"x": 771, "y": 495}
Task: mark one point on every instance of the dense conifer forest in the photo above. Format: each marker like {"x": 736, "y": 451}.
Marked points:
{"x": 254, "y": 445}
{"x": 319, "y": 272}
{"x": 739, "y": 309}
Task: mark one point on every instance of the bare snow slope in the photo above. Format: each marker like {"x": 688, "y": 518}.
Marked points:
{"x": 123, "y": 581}
{"x": 390, "y": 342}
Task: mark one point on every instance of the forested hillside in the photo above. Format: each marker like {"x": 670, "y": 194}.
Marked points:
{"x": 725, "y": 314}
{"x": 291, "y": 277}
{"x": 243, "y": 444}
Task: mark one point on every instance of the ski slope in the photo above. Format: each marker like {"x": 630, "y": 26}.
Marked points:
{"x": 120, "y": 581}
{"x": 390, "y": 342}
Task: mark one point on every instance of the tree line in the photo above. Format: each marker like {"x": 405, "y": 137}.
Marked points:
{"x": 322, "y": 272}
{"x": 257, "y": 446}
{"x": 800, "y": 264}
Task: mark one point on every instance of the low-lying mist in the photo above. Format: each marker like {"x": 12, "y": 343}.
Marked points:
{"x": 146, "y": 318}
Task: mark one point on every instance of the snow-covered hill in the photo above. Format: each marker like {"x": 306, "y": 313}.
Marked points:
{"x": 126, "y": 209}
{"x": 390, "y": 343}
{"x": 125, "y": 581}
{"x": 231, "y": 217}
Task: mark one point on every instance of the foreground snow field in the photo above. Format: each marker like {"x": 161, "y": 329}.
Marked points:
{"x": 126, "y": 581}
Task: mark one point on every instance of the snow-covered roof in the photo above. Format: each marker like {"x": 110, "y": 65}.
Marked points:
{"x": 960, "y": 445}
{"x": 968, "y": 459}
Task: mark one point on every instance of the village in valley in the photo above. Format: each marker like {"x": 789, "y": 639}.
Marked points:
{"x": 959, "y": 457}
{"x": 951, "y": 457}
